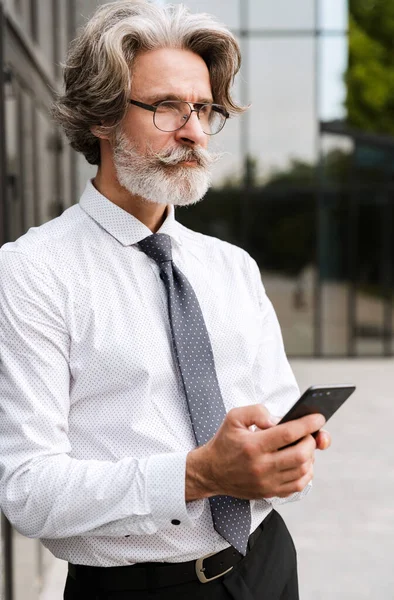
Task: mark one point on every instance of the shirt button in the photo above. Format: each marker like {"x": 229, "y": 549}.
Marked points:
{"x": 175, "y": 522}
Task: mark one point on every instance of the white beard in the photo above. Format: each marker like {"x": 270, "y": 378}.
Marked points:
{"x": 157, "y": 177}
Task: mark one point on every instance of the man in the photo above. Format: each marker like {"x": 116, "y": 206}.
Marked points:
{"x": 140, "y": 361}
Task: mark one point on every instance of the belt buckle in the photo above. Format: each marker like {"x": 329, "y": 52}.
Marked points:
{"x": 200, "y": 569}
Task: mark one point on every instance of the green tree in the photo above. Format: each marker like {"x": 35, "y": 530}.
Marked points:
{"x": 370, "y": 73}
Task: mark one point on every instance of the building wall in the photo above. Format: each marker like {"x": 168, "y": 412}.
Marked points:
{"x": 38, "y": 159}
{"x": 37, "y": 182}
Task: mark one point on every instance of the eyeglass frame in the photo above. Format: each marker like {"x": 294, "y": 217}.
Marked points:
{"x": 153, "y": 108}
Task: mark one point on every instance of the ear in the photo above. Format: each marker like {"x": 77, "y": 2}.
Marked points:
{"x": 96, "y": 130}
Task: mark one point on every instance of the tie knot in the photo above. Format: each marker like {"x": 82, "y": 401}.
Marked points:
{"x": 157, "y": 246}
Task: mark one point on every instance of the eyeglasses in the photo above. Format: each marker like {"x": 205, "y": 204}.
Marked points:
{"x": 171, "y": 115}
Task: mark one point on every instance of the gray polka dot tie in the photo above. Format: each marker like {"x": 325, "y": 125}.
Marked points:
{"x": 231, "y": 516}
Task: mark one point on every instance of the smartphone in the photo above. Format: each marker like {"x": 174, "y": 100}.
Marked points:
{"x": 323, "y": 399}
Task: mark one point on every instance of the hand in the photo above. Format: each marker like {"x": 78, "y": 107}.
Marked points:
{"x": 254, "y": 464}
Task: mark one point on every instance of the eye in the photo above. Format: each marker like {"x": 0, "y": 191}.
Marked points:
{"x": 204, "y": 109}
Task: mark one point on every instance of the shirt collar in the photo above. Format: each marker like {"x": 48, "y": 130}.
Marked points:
{"x": 123, "y": 226}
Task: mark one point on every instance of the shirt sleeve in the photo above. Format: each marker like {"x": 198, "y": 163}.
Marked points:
{"x": 44, "y": 492}
{"x": 274, "y": 380}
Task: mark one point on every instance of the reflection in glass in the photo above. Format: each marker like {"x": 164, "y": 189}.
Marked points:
{"x": 334, "y": 243}
{"x": 333, "y": 59}
{"x": 333, "y": 15}
{"x": 282, "y": 145}
{"x": 369, "y": 286}
{"x": 291, "y": 289}
{"x": 282, "y": 117}
{"x": 227, "y": 12}
{"x": 281, "y": 14}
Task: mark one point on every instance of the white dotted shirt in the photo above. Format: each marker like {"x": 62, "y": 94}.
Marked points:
{"x": 94, "y": 426}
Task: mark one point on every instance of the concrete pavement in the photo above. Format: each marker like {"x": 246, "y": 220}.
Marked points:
{"x": 344, "y": 530}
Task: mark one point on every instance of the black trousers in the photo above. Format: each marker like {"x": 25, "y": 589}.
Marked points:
{"x": 268, "y": 572}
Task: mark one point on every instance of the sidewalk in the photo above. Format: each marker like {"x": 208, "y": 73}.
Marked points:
{"x": 344, "y": 530}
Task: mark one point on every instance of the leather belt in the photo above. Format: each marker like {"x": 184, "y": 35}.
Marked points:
{"x": 152, "y": 575}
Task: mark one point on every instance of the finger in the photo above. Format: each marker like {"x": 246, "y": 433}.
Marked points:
{"x": 273, "y": 421}
{"x": 288, "y": 433}
{"x": 296, "y": 455}
{"x": 287, "y": 489}
{"x": 253, "y": 414}
{"x": 323, "y": 440}
{"x": 299, "y": 472}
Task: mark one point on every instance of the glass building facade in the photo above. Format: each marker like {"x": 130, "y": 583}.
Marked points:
{"x": 305, "y": 185}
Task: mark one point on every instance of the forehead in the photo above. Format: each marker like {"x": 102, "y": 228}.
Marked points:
{"x": 170, "y": 71}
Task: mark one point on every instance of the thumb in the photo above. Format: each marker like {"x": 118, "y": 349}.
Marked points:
{"x": 252, "y": 416}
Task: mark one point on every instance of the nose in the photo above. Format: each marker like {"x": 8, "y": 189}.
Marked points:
{"x": 191, "y": 133}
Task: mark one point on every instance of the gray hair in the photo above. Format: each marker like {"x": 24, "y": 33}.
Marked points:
{"x": 98, "y": 70}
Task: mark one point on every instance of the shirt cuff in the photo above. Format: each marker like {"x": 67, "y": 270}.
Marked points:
{"x": 166, "y": 474}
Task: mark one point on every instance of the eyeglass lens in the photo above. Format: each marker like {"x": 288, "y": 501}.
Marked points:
{"x": 172, "y": 115}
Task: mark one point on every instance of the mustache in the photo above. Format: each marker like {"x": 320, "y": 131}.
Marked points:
{"x": 173, "y": 156}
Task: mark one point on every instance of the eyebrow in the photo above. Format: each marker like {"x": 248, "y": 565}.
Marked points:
{"x": 160, "y": 97}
